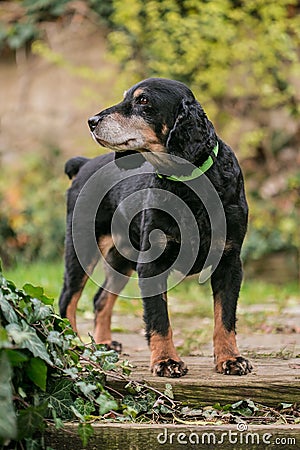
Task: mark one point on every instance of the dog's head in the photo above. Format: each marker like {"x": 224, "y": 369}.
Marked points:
{"x": 157, "y": 117}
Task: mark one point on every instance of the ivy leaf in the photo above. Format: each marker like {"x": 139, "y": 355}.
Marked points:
{"x": 133, "y": 388}
{"x": 7, "y": 310}
{"x": 33, "y": 291}
{"x": 30, "y": 420}
{"x": 85, "y": 431}
{"x": 71, "y": 372}
{"x": 15, "y": 357}
{"x": 59, "y": 398}
{"x": 237, "y": 405}
{"x": 106, "y": 358}
{"x": 37, "y": 372}
{"x": 40, "y": 311}
{"x": 38, "y": 293}
{"x": 8, "y": 422}
{"x": 126, "y": 367}
{"x": 4, "y": 338}
{"x": 57, "y": 421}
{"x": 54, "y": 337}
{"x": 86, "y": 388}
{"x": 25, "y": 337}
{"x": 169, "y": 391}
{"x": 84, "y": 408}
{"x": 77, "y": 414}
{"x": 286, "y": 405}
{"x": 136, "y": 405}
{"x": 106, "y": 403}
{"x": 244, "y": 407}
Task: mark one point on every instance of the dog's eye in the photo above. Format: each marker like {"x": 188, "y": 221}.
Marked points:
{"x": 142, "y": 100}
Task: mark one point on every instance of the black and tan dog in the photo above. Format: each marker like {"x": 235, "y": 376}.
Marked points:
{"x": 158, "y": 120}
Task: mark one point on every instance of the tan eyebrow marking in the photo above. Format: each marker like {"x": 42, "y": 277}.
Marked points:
{"x": 138, "y": 92}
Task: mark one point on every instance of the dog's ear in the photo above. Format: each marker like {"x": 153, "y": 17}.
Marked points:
{"x": 193, "y": 136}
{"x": 129, "y": 159}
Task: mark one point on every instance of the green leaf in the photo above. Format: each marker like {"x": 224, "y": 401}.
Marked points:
{"x": 37, "y": 372}
{"x": 57, "y": 421}
{"x": 86, "y": 388}
{"x": 33, "y": 291}
{"x": 8, "y": 422}
{"x": 126, "y": 367}
{"x": 54, "y": 337}
{"x": 133, "y": 388}
{"x": 30, "y": 420}
{"x": 245, "y": 407}
{"x": 25, "y": 337}
{"x": 16, "y": 358}
{"x": 136, "y": 405}
{"x": 4, "y": 339}
{"x": 286, "y": 405}
{"x": 85, "y": 431}
{"x": 37, "y": 292}
{"x": 59, "y": 398}
{"x": 77, "y": 414}
{"x": 72, "y": 372}
{"x": 85, "y": 408}
{"x": 106, "y": 403}
{"x": 7, "y": 310}
{"x": 165, "y": 409}
{"x": 169, "y": 391}
{"x": 40, "y": 311}
{"x": 106, "y": 358}
{"x": 237, "y": 404}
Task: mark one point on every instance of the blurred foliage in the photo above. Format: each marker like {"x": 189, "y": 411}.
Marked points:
{"x": 32, "y": 219}
{"x": 224, "y": 50}
{"x": 240, "y": 58}
{"x": 21, "y": 20}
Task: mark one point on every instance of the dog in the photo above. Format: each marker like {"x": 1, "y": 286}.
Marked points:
{"x": 160, "y": 125}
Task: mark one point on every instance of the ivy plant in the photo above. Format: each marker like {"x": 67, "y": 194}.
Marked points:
{"x": 47, "y": 375}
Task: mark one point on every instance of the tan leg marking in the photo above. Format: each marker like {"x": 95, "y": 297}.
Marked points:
{"x": 105, "y": 244}
{"x": 162, "y": 348}
{"x": 102, "y": 332}
{"x": 225, "y": 347}
{"x": 164, "y": 359}
{"x": 72, "y": 306}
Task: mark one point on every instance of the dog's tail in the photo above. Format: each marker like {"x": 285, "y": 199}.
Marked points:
{"x": 73, "y": 165}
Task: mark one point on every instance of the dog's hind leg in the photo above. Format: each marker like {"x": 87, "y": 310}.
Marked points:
{"x": 118, "y": 271}
{"x": 75, "y": 279}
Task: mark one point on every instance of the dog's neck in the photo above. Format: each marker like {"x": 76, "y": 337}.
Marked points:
{"x": 197, "y": 172}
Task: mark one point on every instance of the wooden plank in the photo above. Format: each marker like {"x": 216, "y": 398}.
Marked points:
{"x": 272, "y": 382}
{"x": 113, "y": 436}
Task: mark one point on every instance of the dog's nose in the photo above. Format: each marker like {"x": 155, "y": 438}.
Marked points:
{"x": 93, "y": 122}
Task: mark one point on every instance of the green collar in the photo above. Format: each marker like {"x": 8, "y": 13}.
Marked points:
{"x": 197, "y": 172}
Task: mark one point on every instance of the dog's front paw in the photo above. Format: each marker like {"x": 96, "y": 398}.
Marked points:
{"x": 234, "y": 366}
{"x": 169, "y": 368}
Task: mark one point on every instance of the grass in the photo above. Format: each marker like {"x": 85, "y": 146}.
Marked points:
{"x": 188, "y": 298}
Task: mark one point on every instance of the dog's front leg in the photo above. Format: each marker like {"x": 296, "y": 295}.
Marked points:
{"x": 226, "y": 282}
{"x": 165, "y": 361}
